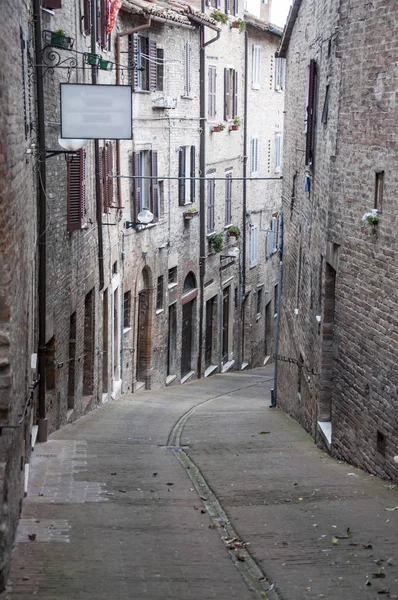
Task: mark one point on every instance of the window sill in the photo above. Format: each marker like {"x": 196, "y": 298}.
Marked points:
{"x": 255, "y": 86}
{"x": 228, "y": 365}
{"x": 170, "y": 379}
{"x": 159, "y": 311}
{"x": 210, "y": 370}
{"x": 253, "y": 266}
{"x": 258, "y": 316}
{"x": 188, "y": 97}
{"x": 254, "y": 175}
{"x": 171, "y": 286}
{"x": 126, "y": 330}
{"x": 141, "y": 92}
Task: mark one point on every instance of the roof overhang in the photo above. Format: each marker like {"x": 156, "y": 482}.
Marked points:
{"x": 287, "y": 32}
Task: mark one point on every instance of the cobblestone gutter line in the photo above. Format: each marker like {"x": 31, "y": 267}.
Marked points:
{"x": 254, "y": 577}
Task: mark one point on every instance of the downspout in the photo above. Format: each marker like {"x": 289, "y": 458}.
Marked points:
{"x": 242, "y": 291}
{"x": 98, "y": 199}
{"x": 119, "y": 181}
{"x": 202, "y": 186}
{"x": 41, "y": 197}
{"x": 118, "y": 152}
{"x": 278, "y": 318}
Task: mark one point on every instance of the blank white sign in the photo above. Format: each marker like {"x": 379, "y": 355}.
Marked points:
{"x": 96, "y": 112}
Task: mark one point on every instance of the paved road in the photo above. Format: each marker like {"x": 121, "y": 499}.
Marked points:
{"x": 201, "y": 492}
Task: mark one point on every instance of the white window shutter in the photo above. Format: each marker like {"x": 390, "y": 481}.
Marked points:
{"x": 187, "y": 86}
{"x": 253, "y": 245}
{"x": 274, "y": 230}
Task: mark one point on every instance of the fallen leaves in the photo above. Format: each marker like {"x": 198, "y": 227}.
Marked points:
{"x": 32, "y": 536}
{"x": 264, "y": 432}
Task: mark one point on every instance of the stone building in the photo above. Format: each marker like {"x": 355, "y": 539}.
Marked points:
{"x": 18, "y": 266}
{"x": 340, "y": 162}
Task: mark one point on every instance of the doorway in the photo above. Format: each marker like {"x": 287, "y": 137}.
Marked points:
{"x": 225, "y": 324}
{"x": 326, "y": 387}
{"x": 186, "y": 345}
{"x": 144, "y": 329}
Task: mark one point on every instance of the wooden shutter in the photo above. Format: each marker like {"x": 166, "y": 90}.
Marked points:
{"x": 136, "y": 183}
{"x": 253, "y": 245}
{"x": 309, "y": 148}
{"x": 212, "y": 107}
{"x": 104, "y": 20}
{"x": 226, "y": 94}
{"x": 104, "y": 179}
{"x": 133, "y": 60}
{"x": 235, "y": 97}
{"x": 52, "y": 4}
{"x": 181, "y": 176}
{"x": 154, "y": 185}
{"x": 108, "y": 173}
{"x": 228, "y": 199}
{"x": 193, "y": 172}
{"x": 210, "y": 205}
{"x": 87, "y": 17}
{"x": 76, "y": 201}
{"x": 153, "y": 68}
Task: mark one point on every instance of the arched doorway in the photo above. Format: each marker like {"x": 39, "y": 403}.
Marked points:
{"x": 190, "y": 293}
{"x": 144, "y": 329}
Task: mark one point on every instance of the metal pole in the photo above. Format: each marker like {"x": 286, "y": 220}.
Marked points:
{"x": 41, "y": 195}
{"x": 202, "y": 192}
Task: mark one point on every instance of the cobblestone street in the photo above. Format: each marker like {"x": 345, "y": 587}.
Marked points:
{"x": 201, "y": 492}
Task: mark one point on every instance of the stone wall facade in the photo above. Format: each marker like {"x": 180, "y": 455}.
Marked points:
{"x": 338, "y": 316}
{"x": 18, "y": 262}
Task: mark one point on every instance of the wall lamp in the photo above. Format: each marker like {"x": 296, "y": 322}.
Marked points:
{"x": 231, "y": 253}
{"x": 144, "y": 217}
{"x": 70, "y": 147}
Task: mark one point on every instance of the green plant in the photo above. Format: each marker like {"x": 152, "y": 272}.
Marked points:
{"x": 220, "y": 17}
{"x": 221, "y": 126}
{"x": 191, "y": 211}
{"x": 237, "y": 121}
{"x": 372, "y": 217}
{"x": 234, "y": 231}
{"x": 60, "y": 31}
{"x": 242, "y": 25}
{"x": 216, "y": 241}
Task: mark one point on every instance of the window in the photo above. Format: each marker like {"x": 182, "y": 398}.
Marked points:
{"x": 211, "y": 184}
{"x": 228, "y": 198}
{"x": 76, "y": 176}
{"x": 143, "y": 58}
{"x": 145, "y": 189}
{"x": 186, "y": 175}
{"x": 256, "y": 67}
{"x": 278, "y": 152}
{"x": 254, "y": 156}
{"x": 280, "y": 74}
{"x": 253, "y": 245}
{"x": 107, "y": 176}
{"x": 159, "y": 293}
{"x": 379, "y": 191}
{"x": 187, "y": 81}
{"x": 230, "y": 94}
{"x": 276, "y": 294}
{"x": 216, "y": 3}
{"x": 160, "y": 69}
{"x": 126, "y": 310}
{"x": 272, "y": 237}
{"x": 310, "y": 114}
{"x": 211, "y": 104}
{"x": 103, "y": 39}
{"x": 231, "y": 7}
{"x": 172, "y": 276}
{"x": 325, "y": 110}
{"x": 259, "y": 301}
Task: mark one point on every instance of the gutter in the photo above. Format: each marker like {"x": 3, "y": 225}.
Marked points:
{"x": 202, "y": 186}
{"x": 98, "y": 199}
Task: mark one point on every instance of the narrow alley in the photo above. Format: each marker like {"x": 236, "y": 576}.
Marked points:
{"x": 200, "y": 492}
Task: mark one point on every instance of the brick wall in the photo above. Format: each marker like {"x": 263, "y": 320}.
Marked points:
{"x": 17, "y": 263}
{"x": 352, "y": 350}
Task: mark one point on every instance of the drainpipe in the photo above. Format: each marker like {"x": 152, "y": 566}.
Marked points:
{"x": 202, "y": 185}
{"x": 98, "y": 199}
{"x": 118, "y": 151}
{"x": 242, "y": 260}
{"x": 278, "y": 318}
{"x": 41, "y": 197}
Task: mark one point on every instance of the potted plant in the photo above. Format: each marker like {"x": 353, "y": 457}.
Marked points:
{"x": 234, "y": 231}
{"x": 216, "y": 241}
{"x": 236, "y": 123}
{"x": 239, "y": 24}
{"x": 219, "y": 16}
{"x": 92, "y": 59}
{"x": 372, "y": 217}
{"x": 190, "y": 213}
{"x": 59, "y": 39}
{"x": 105, "y": 65}
{"x": 219, "y": 127}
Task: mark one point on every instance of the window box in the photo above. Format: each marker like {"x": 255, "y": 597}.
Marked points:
{"x": 190, "y": 214}
{"x": 58, "y": 39}
{"x": 217, "y": 128}
{"x": 105, "y": 65}
{"x": 92, "y": 59}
